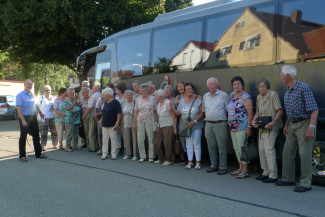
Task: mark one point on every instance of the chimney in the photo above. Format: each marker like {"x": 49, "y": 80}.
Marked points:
{"x": 296, "y": 16}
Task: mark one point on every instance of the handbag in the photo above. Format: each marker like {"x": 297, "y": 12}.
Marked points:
{"x": 81, "y": 126}
{"x": 263, "y": 121}
{"x": 183, "y": 129}
{"x": 248, "y": 151}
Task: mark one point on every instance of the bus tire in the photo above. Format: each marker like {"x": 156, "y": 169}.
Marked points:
{"x": 318, "y": 163}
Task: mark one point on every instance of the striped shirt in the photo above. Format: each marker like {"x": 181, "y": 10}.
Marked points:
{"x": 299, "y": 101}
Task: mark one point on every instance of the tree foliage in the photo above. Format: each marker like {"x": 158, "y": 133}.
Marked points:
{"x": 57, "y": 31}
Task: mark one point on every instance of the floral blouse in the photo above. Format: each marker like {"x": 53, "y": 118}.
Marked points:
{"x": 73, "y": 115}
{"x": 237, "y": 114}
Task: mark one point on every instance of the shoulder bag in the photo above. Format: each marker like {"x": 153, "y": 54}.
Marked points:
{"x": 183, "y": 129}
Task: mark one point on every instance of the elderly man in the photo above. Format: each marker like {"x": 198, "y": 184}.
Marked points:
{"x": 92, "y": 146}
{"x": 216, "y": 133}
{"x": 300, "y": 129}
{"x": 136, "y": 89}
{"x": 26, "y": 107}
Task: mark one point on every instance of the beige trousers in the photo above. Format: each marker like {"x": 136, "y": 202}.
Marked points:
{"x": 143, "y": 129}
{"x": 267, "y": 153}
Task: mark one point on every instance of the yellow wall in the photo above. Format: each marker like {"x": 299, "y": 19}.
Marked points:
{"x": 265, "y": 53}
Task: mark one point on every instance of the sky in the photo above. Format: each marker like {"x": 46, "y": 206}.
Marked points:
{"x": 198, "y": 2}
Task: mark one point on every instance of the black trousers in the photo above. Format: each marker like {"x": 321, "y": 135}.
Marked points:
{"x": 32, "y": 129}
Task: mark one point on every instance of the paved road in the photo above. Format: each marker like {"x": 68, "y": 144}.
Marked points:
{"x": 80, "y": 184}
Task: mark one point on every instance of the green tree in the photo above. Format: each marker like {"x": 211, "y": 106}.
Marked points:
{"x": 173, "y": 5}
{"x": 57, "y": 31}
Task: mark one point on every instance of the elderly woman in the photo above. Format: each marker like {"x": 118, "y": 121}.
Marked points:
{"x": 169, "y": 93}
{"x": 47, "y": 108}
{"x": 181, "y": 94}
{"x": 144, "y": 122}
{"x": 268, "y": 104}
{"x": 129, "y": 134}
{"x": 193, "y": 104}
{"x": 240, "y": 114}
{"x": 110, "y": 123}
{"x": 60, "y": 115}
{"x": 166, "y": 129}
{"x": 120, "y": 96}
{"x": 85, "y": 91}
{"x": 72, "y": 119}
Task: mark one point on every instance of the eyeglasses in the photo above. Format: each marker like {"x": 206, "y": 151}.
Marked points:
{"x": 47, "y": 90}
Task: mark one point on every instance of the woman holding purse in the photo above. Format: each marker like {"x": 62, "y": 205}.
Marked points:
{"x": 190, "y": 110}
{"x": 267, "y": 105}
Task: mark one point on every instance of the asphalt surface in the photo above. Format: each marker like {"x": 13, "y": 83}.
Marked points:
{"x": 80, "y": 184}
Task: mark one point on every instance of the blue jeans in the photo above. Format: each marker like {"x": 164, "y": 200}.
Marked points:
{"x": 194, "y": 142}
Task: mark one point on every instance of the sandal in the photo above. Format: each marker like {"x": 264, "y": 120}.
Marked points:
{"x": 23, "y": 159}
{"x": 236, "y": 172}
{"x": 242, "y": 175}
{"x": 188, "y": 166}
{"x": 197, "y": 166}
{"x": 42, "y": 156}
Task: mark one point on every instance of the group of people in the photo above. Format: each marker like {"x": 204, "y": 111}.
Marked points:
{"x": 144, "y": 122}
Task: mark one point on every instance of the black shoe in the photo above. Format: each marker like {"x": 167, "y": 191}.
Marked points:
{"x": 211, "y": 170}
{"x": 179, "y": 162}
{"x": 301, "y": 189}
{"x": 284, "y": 183}
{"x": 222, "y": 172}
{"x": 83, "y": 146}
{"x": 261, "y": 177}
{"x": 269, "y": 180}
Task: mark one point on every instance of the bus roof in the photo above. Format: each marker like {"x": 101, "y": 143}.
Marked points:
{"x": 188, "y": 14}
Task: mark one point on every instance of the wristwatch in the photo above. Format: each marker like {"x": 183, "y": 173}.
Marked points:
{"x": 313, "y": 126}
{"x": 195, "y": 121}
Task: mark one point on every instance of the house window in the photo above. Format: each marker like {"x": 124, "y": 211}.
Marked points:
{"x": 240, "y": 24}
{"x": 184, "y": 58}
{"x": 192, "y": 55}
{"x": 224, "y": 51}
{"x": 250, "y": 43}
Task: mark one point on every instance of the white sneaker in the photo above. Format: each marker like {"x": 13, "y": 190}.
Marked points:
{"x": 141, "y": 160}
{"x": 157, "y": 162}
{"x": 125, "y": 157}
{"x": 134, "y": 158}
{"x": 99, "y": 152}
{"x": 166, "y": 163}
{"x": 150, "y": 160}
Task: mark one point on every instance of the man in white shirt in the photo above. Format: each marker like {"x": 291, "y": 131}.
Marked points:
{"x": 216, "y": 128}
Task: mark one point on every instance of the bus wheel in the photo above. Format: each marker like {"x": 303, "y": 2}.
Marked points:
{"x": 318, "y": 162}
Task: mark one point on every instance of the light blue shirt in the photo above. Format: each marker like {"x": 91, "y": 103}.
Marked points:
{"x": 26, "y": 101}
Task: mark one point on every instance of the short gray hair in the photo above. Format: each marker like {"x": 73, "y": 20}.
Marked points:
{"x": 151, "y": 84}
{"x": 212, "y": 78}
{"x": 47, "y": 86}
{"x": 85, "y": 82}
{"x": 108, "y": 91}
{"x": 28, "y": 80}
{"x": 289, "y": 70}
{"x": 97, "y": 87}
{"x": 161, "y": 92}
{"x": 128, "y": 91}
{"x": 70, "y": 89}
{"x": 265, "y": 81}
{"x": 145, "y": 85}
{"x": 136, "y": 82}
{"x": 85, "y": 89}
{"x": 169, "y": 87}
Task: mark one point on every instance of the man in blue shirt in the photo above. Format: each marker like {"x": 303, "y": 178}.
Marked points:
{"x": 27, "y": 108}
{"x": 300, "y": 129}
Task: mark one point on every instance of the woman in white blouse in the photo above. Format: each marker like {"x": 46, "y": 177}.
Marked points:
{"x": 46, "y": 103}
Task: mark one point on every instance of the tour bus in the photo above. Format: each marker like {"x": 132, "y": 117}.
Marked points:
{"x": 224, "y": 38}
